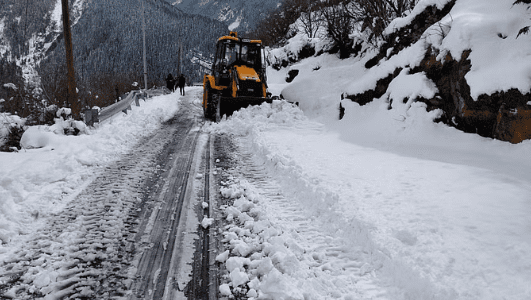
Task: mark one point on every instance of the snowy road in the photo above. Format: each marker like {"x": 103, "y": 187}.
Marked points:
{"x": 289, "y": 208}
{"x": 128, "y": 234}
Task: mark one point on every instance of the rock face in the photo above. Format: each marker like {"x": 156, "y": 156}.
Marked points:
{"x": 503, "y": 115}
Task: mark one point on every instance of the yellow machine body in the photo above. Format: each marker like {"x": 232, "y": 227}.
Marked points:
{"x": 238, "y": 77}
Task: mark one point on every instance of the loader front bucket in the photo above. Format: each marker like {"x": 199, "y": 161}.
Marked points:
{"x": 228, "y": 105}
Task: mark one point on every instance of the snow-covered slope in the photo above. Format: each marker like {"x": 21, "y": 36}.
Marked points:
{"x": 472, "y": 66}
{"x": 491, "y": 30}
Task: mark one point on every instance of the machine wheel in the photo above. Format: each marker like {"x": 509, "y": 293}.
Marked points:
{"x": 209, "y": 108}
{"x": 218, "y": 115}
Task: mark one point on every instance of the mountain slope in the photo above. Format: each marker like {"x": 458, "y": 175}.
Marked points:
{"x": 107, "y": 42}
{"x": 239, "y": 15}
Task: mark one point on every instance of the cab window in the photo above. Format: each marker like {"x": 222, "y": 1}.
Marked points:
{"x": 231, "y": 53}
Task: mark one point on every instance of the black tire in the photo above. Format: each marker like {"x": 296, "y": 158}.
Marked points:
{"x": 209, "y": 109}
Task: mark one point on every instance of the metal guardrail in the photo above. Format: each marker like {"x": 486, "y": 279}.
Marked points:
{"x": 93, "y": 115}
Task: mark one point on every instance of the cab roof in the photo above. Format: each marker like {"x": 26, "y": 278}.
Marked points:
{"x": 233, "y": 36}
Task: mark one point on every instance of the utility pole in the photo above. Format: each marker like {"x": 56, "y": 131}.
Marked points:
{"x": 180, "y": 57}
{"x": 72, "y": 93}
{"x": 144, "y": 42}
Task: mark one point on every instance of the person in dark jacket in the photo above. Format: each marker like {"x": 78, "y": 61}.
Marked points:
{"x": 182, "y": 82}
{"x": 170, "y": 82}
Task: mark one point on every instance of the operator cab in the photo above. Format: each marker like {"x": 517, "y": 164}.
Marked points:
{"x": 232, "y": 51}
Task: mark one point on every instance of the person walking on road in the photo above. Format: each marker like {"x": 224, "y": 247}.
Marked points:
{"x": 170, "y": 82}
{"x": 181, "y": 82}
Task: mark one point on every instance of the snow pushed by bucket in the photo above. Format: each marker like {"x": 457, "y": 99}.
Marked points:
{"x": 414, "y": 226}
{"x": 309, "y": 250}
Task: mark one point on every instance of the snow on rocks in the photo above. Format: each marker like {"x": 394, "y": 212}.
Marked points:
{"x": 489, "y": 28}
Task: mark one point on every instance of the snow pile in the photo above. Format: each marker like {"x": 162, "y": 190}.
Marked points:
{"x": 265, "y": 259}
{"x": 277, "y": 113}
{"x": 37, "y": 182}
{"x": 7, "y": 121}
{"x": 405, "y": 202}
{"x": 46, "y": 136}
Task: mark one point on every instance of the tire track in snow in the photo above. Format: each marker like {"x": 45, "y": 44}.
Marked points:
{"x": 159, "y": 230}
{"x": 203, "y": 284}
{"x": 87, "y": 251}
{"x": 315, "y": 262}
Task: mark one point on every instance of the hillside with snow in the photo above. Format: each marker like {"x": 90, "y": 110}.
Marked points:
{"x": 467, "y": 61}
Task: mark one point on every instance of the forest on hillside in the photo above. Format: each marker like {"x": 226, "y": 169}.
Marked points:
{"x": 107, "y": 42}
{"x": 108, "y": 47}
{"x": 244, "y": 14}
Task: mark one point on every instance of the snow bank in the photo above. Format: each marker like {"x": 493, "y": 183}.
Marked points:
{"x": 260, "y": 118}
{"x": 37, "y": 182}
{"x": 406, "y": 215}
{"x": 6, "y": 122}
{"x": 276, "y": 264}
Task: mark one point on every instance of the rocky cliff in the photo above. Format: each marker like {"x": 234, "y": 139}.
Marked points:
{"x": 473, "y": 61}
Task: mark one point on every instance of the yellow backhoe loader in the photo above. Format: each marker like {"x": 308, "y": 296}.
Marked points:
{"x": 237, "y": 79}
